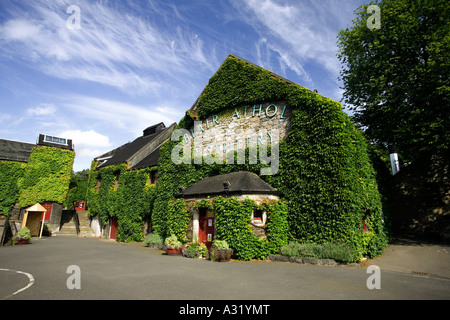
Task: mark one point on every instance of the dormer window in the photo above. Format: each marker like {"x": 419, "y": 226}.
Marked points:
{"x": 54, "y": 139}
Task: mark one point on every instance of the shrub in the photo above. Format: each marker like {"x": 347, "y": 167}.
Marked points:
{"x": 195, "y": 250}
{"x": 172, "y": 242}
{"x": 295, "y": 249}
{"x": 220, "y": 245}
{"x": 23, "y": 233}
{"x": 337, "y": 251}
{"x": 153, "y": 240}
{"x": 330, "y": 250}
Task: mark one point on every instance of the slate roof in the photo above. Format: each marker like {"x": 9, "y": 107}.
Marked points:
{"x": 15, "y": 150}
{"x": 140, "y": 153}
{"x": 149, "y": 161}
{"x": 239, "y": 183}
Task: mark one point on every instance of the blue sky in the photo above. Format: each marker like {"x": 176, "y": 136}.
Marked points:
{"x": 132, "y": 64}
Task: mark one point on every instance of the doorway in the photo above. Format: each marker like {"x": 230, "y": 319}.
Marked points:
{"x": 113, "y": 230}
{"x": 206, "y": 226}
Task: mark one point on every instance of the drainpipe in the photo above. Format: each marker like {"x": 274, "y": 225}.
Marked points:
{"x": 395, "y": 165}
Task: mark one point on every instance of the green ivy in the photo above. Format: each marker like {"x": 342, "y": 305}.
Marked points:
{"x": 11, "y": 177}
{"x": 325, "y": 174}
{"x": 131, "y": 202}
{"x": 178, "y": 218}
{"x": 47, "y": 176}
{"x": 232, "y": 225}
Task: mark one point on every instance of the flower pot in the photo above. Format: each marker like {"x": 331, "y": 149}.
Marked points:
{"x": 173, "y": 252}
{"x": 22, "y": 241}
{"x": 225, "y": 255}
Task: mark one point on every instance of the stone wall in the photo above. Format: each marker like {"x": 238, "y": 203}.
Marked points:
{"x": 241, "y": 127}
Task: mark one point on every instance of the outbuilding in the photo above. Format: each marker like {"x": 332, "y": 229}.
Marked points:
{"x": 240, "y": 185}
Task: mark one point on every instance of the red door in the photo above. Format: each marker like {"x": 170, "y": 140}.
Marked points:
{"x": 114, "y": 226}
{"x": 48, "y": 207}
{"x": 206, "y": 228}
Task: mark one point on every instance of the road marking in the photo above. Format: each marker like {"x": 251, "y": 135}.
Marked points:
{"x": 30, "y": 277}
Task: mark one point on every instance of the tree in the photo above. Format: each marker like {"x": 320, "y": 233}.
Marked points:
{"x": 78, "y": 187}
{"x": 396, "y": 77}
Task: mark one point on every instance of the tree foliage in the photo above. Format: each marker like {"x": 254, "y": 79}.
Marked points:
{"x": 396, "y": 78}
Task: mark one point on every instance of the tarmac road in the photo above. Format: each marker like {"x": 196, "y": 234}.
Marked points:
{"x": 111, "y": 270}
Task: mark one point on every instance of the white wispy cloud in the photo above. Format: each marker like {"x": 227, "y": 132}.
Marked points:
{"x": 127, "y": 51}
{"x": 298, "y": 32}
{"x": 41, "y": 110}
{"x": 124, "y": 117}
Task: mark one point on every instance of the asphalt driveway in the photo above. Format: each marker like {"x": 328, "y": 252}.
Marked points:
{"x": 111, "y": 270}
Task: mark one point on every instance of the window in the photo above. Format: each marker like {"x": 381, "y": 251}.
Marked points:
{"x": 55, "y": 139}
{"x": 153, "y": 177}
{"x": 259, "y": 217}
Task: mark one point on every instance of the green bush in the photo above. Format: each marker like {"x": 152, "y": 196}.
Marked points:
{"x": 24, "y": 233}
{"x": 172, "y": 242}
{"x": 153, "y": 240}
{"x": 337, "y": 251}
{"x": 195, "y": 250}
{"x": 220, "y": 245}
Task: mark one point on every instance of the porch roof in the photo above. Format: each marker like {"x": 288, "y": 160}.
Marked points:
{"x": 241, "y": 182}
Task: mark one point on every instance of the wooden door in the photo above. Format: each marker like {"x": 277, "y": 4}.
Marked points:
{"x": 48, "y": 207}
{"x": 114, "y": 226}
{"x": 206, "y": 227}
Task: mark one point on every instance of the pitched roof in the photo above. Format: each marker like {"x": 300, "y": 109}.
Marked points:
{"x": 149, "y": 161}
{"x": 241, "y": 182}
{"x": 195, "y": 106}
{"x": 15, "y": 150}
{"x": 36, "y": 208}
{"x": 139, "y": 153}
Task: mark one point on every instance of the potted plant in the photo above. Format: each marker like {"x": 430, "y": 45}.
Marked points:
{"x": 22, "y": 237}
{"x": 195, "y": 250}
{"x": 172, "y": 245}
{"x": 220, "y": 251}
{"x": 47, "y": 231}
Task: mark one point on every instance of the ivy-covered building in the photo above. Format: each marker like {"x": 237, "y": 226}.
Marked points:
{"x": 34, "y": 173}
{"x": 248, "y": 119}
{"x": 258, "y": 161}
{"x": 122, "y": 186}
